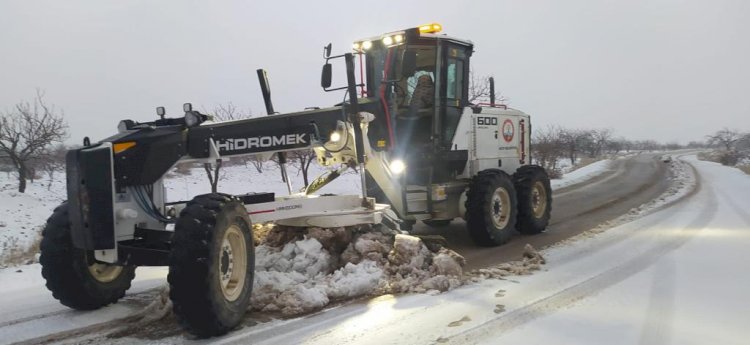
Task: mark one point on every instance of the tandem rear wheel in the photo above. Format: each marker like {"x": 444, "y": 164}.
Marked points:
{"x": 491, "y": 208}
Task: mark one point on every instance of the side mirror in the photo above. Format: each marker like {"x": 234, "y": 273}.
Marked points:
{"x": 327, "y": 51}
{"x": 160, "y": 111}
{"x": 187, "y": 107}
{"x": 325, "y": 77}
{"x": 409, "y": 65}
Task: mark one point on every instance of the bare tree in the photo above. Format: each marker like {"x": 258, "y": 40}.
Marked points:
{"x": 227, "y": 112}
{"x": 256, "y": 162}
{"x": 479, "y": 90}
{"x": 52, "y": 162}
{"x": 573, "y": 141}
{"x": 547, "y": 149}
{"x": 599, "y": 140}
{"x": 646, "y": 145}
{"x": 301, "y": 159}
{"x": 743, "y": 144}
{"x": 725, "y": 137}
{"x": 27, "y": 131}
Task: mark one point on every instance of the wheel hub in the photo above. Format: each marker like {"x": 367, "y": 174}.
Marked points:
{"x": 104, "y": 273}
{"x": 232, "y": 263}
{"x": 500, "y": 208}
{"x": 538, "y": 199}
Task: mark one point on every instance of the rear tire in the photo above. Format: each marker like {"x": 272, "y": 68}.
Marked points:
{"x": 72, "y": 275}
{"x": 534, "y": 199}
{"x": 491, "y": 210}
{"x": 211, "y": 265}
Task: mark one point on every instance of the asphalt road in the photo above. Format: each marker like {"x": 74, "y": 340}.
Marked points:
{"x": 632, "y": 181}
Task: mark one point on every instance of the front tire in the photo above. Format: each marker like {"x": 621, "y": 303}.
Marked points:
{"x": 72, "y": 275}
{"x": 211, "y": 265}
{"x": 534, "y": 199}
{"x": 491, "y": 209}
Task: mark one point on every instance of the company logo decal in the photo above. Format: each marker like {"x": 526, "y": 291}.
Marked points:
{"x": 508, "y": 130}
{"x": 238, "y": 144}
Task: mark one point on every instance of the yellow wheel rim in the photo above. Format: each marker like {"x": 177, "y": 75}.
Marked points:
{"x": 232, "y": 263}
{"x": 500, "y": 208}
{"x": 538, "y": 199}
{"x": 104, "y": 273}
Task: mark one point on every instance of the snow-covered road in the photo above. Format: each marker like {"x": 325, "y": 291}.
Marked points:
{"x": 29, "y": 311}
{"x": 677, "y": 276}
{"x": 674, "y": 276}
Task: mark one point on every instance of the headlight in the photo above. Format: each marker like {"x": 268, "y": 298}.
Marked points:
{"x": 387, "y": 40}
{"x": 397, "y": 166}
{"x": 335, "y": 137}
{"x": 366, "y": 45}
{"x": 192, "y": 119}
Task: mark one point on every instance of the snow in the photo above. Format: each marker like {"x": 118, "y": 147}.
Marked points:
{"x": 673, "y": 276}
{"x": 29, "y": 310}
{"x": 355, "y": 279}
{"x": 296, "y": 271}
{"x": 238, "y": 179}
{"x": 303, "y": 275}
{"x": 677, "y": 279}
{"x": 22, "y": 215}
{"x": 585, "y": 173}
{"x": 683, "y": 182}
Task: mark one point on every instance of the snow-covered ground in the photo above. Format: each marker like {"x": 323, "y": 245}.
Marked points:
{"x": 582, "y": 174}
{"x": 675, "y": 276}
{"x": 238, "y": 179}
{"x": 27, "y": 309}
{"x": 22, "y": 215}
{"x": 293, "y": 276}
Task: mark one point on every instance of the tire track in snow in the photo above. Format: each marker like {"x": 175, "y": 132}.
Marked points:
{"x": 595, "y": 284}
{"x": 739, "y": 211}
{"x": 657, "y": 325}
{"x": 35, "y": 317}
{"x": 627, "y": 218}
{"x": 56, "y": 337}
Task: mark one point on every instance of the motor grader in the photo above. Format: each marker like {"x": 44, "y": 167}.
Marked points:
{"x": 423, "y": 151}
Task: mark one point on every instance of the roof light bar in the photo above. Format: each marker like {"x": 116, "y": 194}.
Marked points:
{"x": 395, "y": 38}
{"x": 430, "y": 28}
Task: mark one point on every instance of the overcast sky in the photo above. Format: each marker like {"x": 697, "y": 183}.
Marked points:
{"x": 665, "y": 70}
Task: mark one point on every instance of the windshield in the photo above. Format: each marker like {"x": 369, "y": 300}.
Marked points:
{"x": 386, "y": 65}
{"x": 406, "y": 90}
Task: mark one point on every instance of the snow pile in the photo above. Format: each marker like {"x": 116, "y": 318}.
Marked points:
{"x": 531, "y": 261}
{"x": 585, "y": 173}
{"x": 316, "y": 266}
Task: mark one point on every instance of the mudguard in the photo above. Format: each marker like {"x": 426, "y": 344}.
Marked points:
{"x": 91, "y": 197}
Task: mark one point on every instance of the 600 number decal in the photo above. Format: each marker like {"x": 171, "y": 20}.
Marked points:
{"x": 486, "y": 121}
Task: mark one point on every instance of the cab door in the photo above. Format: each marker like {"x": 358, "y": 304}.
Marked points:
{"x": 453, "y": 91}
